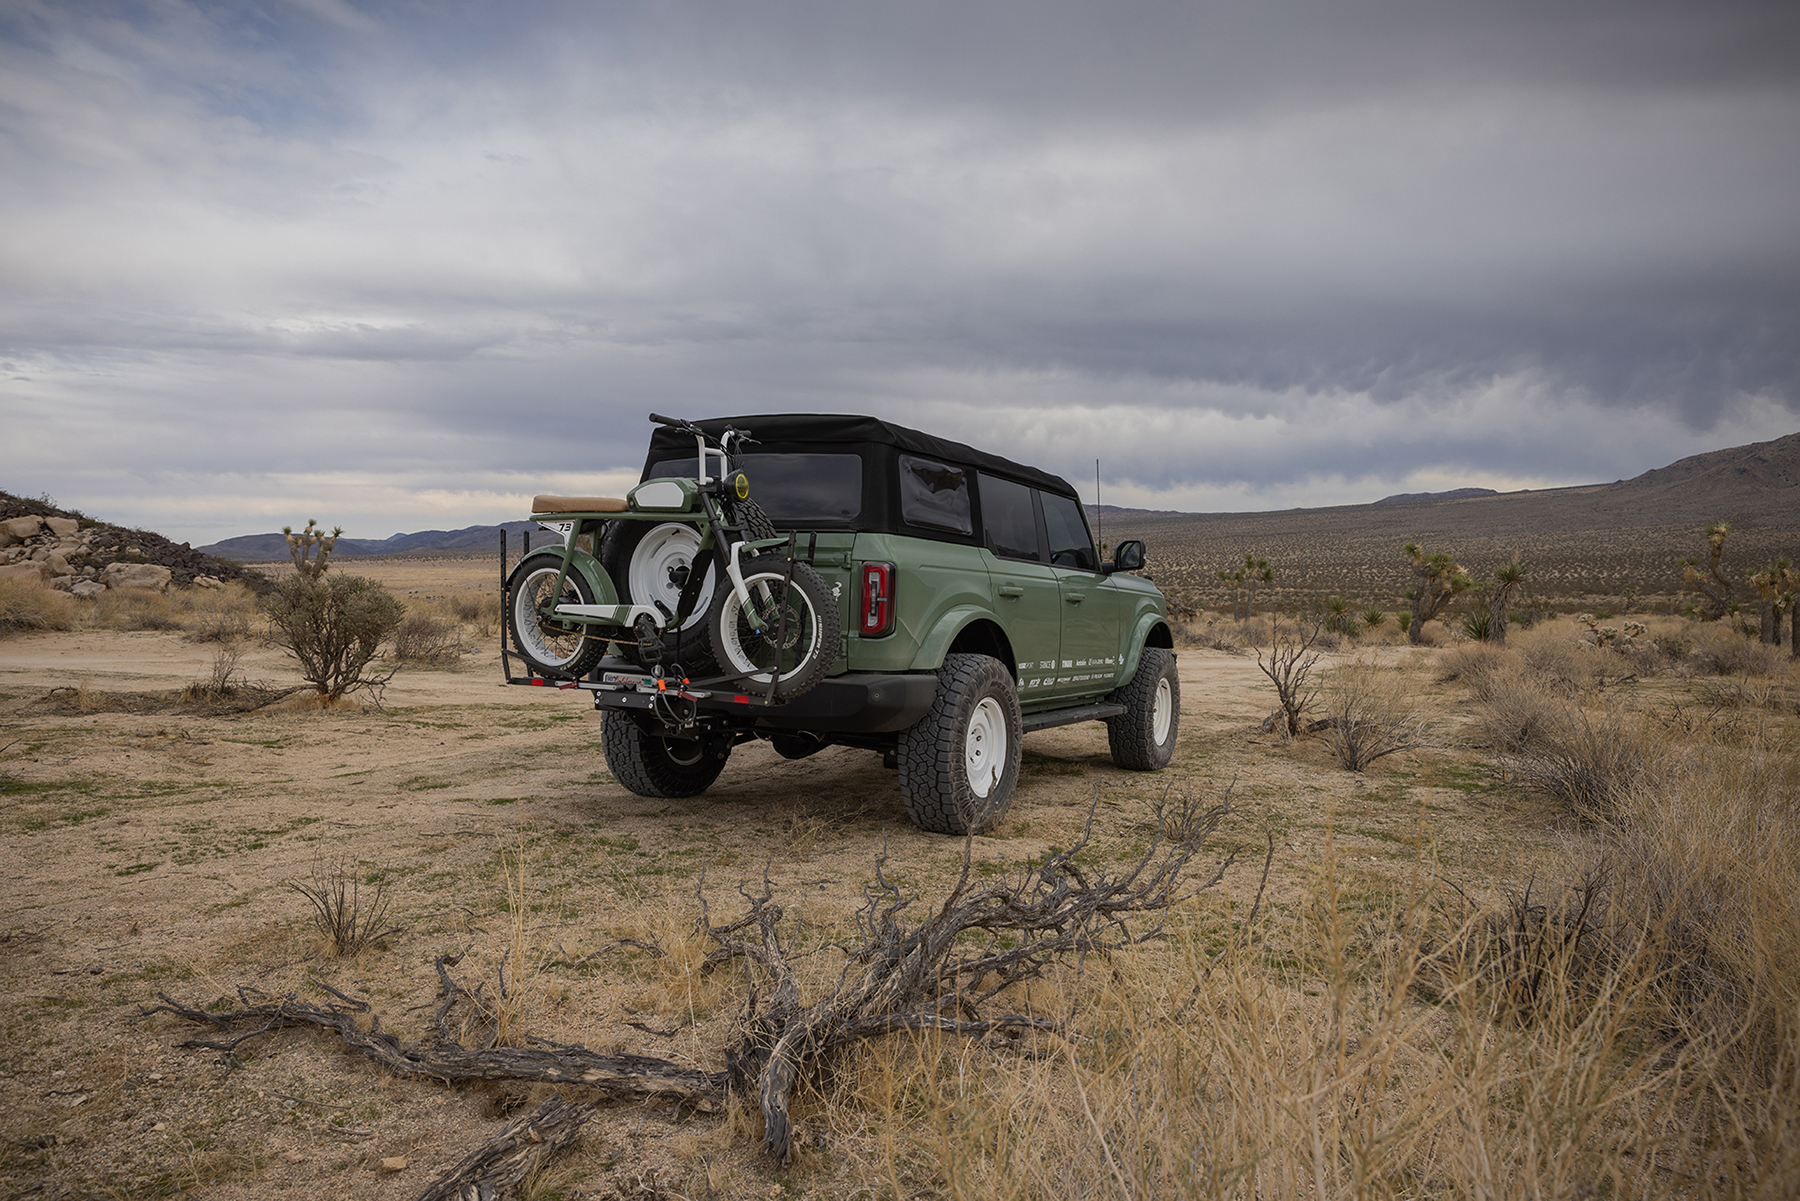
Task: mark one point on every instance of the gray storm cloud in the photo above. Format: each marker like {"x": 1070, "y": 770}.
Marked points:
{"x": 397, "y": 264}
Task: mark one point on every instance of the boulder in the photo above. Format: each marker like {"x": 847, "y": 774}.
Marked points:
{"x": 206, "y": 581}
{"x": 58, "y": 564}
{"x": 22, "y": 528}
{"x": 136, "y": 575}
{"x": 62, "y": 527}
{"x": 24, "y": 573}
{"x": 86, "y": 589}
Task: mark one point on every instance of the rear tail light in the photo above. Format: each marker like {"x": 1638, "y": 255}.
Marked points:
{"x": 875, "y": 599}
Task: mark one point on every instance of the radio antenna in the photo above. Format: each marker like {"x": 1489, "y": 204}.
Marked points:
{"x": 1097, "y": 537}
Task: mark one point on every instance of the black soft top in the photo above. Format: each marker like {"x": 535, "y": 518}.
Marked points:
{"x": 798, "y": 431}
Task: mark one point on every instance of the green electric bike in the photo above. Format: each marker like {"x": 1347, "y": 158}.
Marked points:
{"x": 685, "y": 576}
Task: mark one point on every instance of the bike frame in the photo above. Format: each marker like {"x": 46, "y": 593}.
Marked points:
{"x": 706, "y": 515}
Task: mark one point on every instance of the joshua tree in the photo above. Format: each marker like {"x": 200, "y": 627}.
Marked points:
{"x": 307, "y": 540}
{"x": 1790, "y": 596}
{"x": 1713, "y": 586}
{"x": 1772, "y": 598}
{"x": 1440, "y": 579}
{"x": 1256, "y": 570}
{"x": 1507, "y": 578}
{"x": 1233, "y": 580}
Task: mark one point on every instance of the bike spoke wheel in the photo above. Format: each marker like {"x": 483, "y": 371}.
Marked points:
{"x": 551, "y": 647}
{"x": 788, "y": 632}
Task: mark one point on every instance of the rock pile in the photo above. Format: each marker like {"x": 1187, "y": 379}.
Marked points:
{"x": 76, "y": 554}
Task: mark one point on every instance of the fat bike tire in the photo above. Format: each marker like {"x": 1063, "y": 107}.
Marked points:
{"x": 744, "y": 642}
{"x": 550, "y": 648}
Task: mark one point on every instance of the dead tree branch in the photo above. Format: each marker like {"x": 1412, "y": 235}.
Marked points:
{"x": 915, "y": 977}
{"x": 498, "y": 1166}
{"x": 633, "y": 1076}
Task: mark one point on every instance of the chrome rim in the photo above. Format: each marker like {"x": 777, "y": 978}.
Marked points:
{"x": 659, "y": 567}
{"x": 547, "y": 644}
{"x": 984, "y": 747}
{"x": 1162, "y": 712}
{"x": 751, "y": 652}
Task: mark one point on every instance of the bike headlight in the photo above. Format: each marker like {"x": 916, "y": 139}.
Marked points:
{"x": 742, "y": 486}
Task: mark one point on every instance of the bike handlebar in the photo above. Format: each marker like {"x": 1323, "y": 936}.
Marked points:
{"x": 688, "y": 427}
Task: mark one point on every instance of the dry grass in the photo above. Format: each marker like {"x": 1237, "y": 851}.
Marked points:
{"x": 30, "y": 606}
{"x": 1372, "y": 714}
{"x": 427, "y": 639}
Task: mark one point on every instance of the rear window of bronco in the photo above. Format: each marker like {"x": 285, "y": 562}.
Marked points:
{"x": 791, "y": 488}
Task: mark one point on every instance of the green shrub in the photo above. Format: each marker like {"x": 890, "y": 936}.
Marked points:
{"x": 334, "y": 626}
{"x": 1476, "y": 623}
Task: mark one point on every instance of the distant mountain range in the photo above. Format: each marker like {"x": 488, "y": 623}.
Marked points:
{"x": 266, "y": 548}
{"x": 1755, "y": 486}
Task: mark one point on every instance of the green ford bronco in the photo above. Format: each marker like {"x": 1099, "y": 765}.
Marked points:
{"x": 951, "y": 601}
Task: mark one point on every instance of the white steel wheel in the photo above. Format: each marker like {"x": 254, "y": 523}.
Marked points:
{"x": 659, "y": 570}
{"x": 984, "y": 748}
{"x": 1143, "y": 737}
{"x": 1162, "y": 712}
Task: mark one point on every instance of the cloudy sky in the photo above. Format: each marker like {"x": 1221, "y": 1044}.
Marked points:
{"x": 400, "y": 265}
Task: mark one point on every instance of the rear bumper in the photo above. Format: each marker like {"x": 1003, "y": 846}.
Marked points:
{"x": 853, "y": 703}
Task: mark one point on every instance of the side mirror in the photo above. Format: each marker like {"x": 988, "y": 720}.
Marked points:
{"x": 1128, "y": 557}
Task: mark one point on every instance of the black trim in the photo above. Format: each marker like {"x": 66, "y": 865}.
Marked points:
{"x": 1068, "y": 717}
{"x": 800, "y": 430}
{"x": 852, "y": 703}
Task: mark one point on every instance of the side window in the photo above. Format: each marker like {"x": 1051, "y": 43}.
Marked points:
{"x": 1008, "y": 521}
{"x": 934, "y": 496}
{"x": 1070, "y": 545}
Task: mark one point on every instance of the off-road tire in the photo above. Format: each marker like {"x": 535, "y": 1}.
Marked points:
{"x": 812, "y": 634}
{"x": 618, "y": 546}
{"x": 750, "y": 515}
{"x": 657, "y": 767}
{"x": 1143, "y": 737}
{"x": 935, "y": 754}
{"x": 550, "y": 651}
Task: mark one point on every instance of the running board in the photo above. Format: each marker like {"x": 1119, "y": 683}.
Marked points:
{"x": 1068, "y": 717}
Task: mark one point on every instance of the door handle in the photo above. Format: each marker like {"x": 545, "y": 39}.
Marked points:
{"x": 1074, "y": 598}
{"x": 1011, "y": 590}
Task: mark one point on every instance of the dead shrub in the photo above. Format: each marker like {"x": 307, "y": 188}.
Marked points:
{"x": 1707, "y": 859}
{"x": 474, "y": 606}
{"x": 1553, "y": 652}
{"x": 1514, "y": 708}
{"x": 1589, "y": 761}
{"x": 425, "y": 638}
{"x": 1371, "y": 715}
{"x": 31, "y": 606}
{"x": 1721, "y": 652}
{"x": 1471, "y": 662}
{"x": 1529, "y": 959}
{"x": 347, "y": 923}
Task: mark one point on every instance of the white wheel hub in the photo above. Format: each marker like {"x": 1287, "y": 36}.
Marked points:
{"x": 1162, "y": 712}
{"x": 984, "y": 747}
{"x": 659, "y": 568}
{"x": 801, "y": 634}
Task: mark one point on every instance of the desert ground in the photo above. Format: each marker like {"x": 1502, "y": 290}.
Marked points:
{"x": 154, "y": 849}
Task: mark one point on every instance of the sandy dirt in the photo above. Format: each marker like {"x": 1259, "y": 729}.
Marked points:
{"x": 154, "y": 852}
